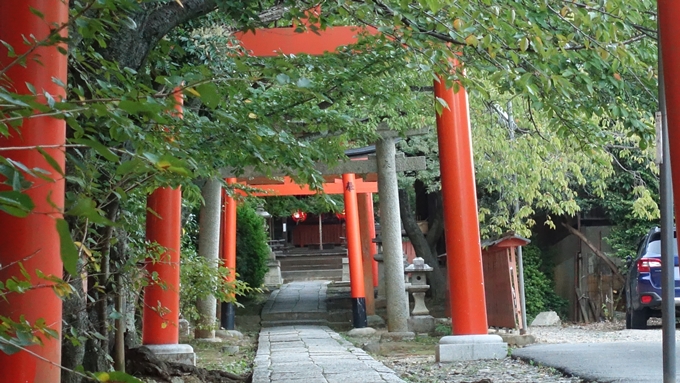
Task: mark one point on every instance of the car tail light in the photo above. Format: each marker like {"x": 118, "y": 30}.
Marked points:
{"x": 645, "y": 299}
{"x": 645, "y": 264}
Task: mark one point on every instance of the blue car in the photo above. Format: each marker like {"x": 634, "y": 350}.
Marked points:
{"x": 643, "y": 283}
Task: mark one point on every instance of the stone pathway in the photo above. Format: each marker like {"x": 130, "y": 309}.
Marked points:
{"x": 297, "y": 297}
{"x": 301, "y": 353}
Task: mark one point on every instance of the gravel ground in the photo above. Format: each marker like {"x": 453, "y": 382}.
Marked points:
{"x": 423, "y": 369}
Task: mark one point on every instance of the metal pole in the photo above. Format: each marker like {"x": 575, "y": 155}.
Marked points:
{"x": 520, "y": 261}
{"x": 667, "y": 238}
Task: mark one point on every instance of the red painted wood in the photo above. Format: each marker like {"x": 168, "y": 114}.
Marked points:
{"x": 160, "y": 321}
{"x": 277, "y": 41}
{"x": 466, "y": 279}
{"x": 34, "y": 240}
{"x": 305, "y": 235}
{"x": 498, "y": 288}
{"x": 368, "y": 248}
{"x": 229, "y": 232}
{"x": 356, "y": 271}
{"x": 161, "y": 299}
{"x": 669, "y": 14}
{"x": 289, "y": 187}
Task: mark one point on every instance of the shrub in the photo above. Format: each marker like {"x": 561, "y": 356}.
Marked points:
{"x": 252, "y": 251}
{"x": 200, "y": 278}
{"x": 538, "y": 286}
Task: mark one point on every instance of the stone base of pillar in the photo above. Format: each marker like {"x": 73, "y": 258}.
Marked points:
{"x": 375, "y": 321}
{"x": 470, "y": 347}
{"x": 178, "y": 353}
{"x": 228, "y": 334}
{"x": 421, "y": 324}
{"x": 273, "y": 279}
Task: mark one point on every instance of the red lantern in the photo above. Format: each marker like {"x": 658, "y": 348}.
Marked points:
{"x": 299, "y": 216}
{"x": 340, "y": 215}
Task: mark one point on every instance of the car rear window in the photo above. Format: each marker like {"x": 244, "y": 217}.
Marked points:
{"x": 654, "y": 247}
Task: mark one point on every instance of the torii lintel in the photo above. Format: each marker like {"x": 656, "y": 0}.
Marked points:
{"x": 289, "y": 188}
{"x": 270, "y": 42}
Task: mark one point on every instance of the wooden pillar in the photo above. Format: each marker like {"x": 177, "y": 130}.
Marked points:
{"x": 229, "y": 254}
{"x": 464, "y": 257}
{"x": 160, "y": 320}
{"x": 353, "y": 235}
{"x": 33, "y": 240}
{"x": 368, "y": 248}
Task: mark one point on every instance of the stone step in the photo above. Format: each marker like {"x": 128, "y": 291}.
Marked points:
{"x": 311, "y": 275}
{"x": 310, "y": 267}
{"x": 293, "y": 316}
{"x": 324, "y": 260}
{"x": 300, "y": 322}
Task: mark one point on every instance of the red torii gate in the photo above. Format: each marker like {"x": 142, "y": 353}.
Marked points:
{"x": 360, "y": 227}
{"x": 17, "y": 20}
{"x": 288, "y": 187}
{"x": 467, "y": 301}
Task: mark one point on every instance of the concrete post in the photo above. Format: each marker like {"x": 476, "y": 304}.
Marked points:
{"x": 209, "y": 248}
{"x": 390, "y": 226}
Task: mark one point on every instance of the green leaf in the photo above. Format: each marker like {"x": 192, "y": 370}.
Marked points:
{"x": 8, "y": 348}
{"x": 69, "y": 253}
{"x": 129, "y": 166}
{"x": 16, "y": 203}
{"x": 524, "y": 44}
{"x": 51, "y": 161}
{"x": 209, "y": 95}
{"x": 87, "y": 207}
{"x": 98, "y": 147}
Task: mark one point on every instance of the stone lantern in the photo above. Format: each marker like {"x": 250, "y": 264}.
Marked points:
{"x": 420, "y": 321}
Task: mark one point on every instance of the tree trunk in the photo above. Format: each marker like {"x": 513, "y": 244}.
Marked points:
{"x": 421, "y": 246}
{"x": 74, "y": 318}
{"x": 436, "y": 222}
{"x": 130, "y": 47}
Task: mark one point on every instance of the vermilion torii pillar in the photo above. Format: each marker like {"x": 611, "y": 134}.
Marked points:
{"x": 463, "y": 247}
{"x": 34, "y": 240}
{"x": 160, "y": 323}
{"x": 368, "y": 248}
{"x": 669, "y": 28}
{"x": 356, "y": 271}
{"x": 160, "y": 320}
{"x": 229, "y": 254}
{"x": 354, "y": 234}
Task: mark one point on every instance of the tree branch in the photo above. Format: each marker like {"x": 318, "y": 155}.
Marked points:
{"x": 598, "y": 252}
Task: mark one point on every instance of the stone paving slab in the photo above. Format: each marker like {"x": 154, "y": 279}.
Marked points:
{"x": 324, "y": 357}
